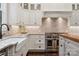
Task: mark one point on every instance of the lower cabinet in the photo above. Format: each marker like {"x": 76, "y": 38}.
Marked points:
{"x": 61, "y": 46}
{"x": 72, "y": 48}
{"x": 37, "y": 41}
{"x": 69, "y": 47}
{"x": 8, "y": 51}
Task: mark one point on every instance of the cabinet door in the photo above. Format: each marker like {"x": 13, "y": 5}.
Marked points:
{"x": 38, "y": 17}
{"x": 35, "y": 18}
{"x": 13, "y": 14}
{"x": 74, "y": 21}
{"x": 31, "y": 18}
{"x": 31, "y": 43}
{"x": 61, "y": 46}
{"x": 25, "y": 17}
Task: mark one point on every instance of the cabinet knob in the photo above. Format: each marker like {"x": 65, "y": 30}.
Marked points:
{"x": 68, "y": 42}
{"x": 61, "y": 45}
{"x": 76, "y": 23}
{"x": 39, "y": 40}
{"x": 39, "y": 46}
{"x": 68, "y": 54}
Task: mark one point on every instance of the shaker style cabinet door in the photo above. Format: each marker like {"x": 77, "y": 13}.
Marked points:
{"x": 12, "y": 14}
{"x": 74, "y": 21}
{"x": 61, "y": 46}
{"x": 38, "y": 17}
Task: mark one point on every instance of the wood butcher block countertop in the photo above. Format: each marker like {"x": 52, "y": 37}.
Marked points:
{"x": 71, "y": 37}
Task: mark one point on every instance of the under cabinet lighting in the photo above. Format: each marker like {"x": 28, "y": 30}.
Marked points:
{"x": 33, "y": 26}
{"x": 32, "y": 6}
{"x": 48, "y": 20}
{"x": 60, "y": 20}
{"x": 74, "y": 26}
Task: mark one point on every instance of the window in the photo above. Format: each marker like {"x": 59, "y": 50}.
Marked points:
{"x": 73, "y": 6}
{"x": 38, "y": 7}
{"x": 78, "y": 6}
{"x": 32, "y": 7}
{"x": 0, "y": 5}
{"x": 26, "y": 6}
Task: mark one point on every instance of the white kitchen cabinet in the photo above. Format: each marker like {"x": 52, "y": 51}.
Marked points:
{"x": 56, "y": 7}
{"x": 61, "y": 46}
{"x": 74, "y": 21}
{"x": 35, "y": 18}
{"x": 18, "y": 15}
{"x": 71, "y": 48}
{"x": 12, "y": 14}
{"x": 23, "y": 17}
{"x": 37, "y": 41}
{"x": 38, "y": 17}
{"x": 30, "y": 18}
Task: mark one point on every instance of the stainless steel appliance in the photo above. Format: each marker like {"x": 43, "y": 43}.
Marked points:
{"x": 52, "y": 41}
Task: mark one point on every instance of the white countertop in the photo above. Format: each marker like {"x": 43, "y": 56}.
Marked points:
{"x": 11, "y": 40}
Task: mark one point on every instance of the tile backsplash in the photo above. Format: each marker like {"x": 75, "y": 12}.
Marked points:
{"x": 74, "y": 29}
{"x": 14, "y": 29}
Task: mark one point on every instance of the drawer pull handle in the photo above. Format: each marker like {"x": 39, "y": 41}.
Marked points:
{"x": 68, "y": 54}
{"x": 68, "y": 42}
{"x": 61, "y": 45}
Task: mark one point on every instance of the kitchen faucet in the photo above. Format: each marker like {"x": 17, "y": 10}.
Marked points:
{"x": 1, "y": 29}
{"x": 6, "y": 26}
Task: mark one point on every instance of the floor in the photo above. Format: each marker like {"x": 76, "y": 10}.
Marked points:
{"x": 42, "y": 53}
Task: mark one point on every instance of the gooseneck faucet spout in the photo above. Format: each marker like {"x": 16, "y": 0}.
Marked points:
{"x": 1, "y": 30}
{"x": 6, "y": 26}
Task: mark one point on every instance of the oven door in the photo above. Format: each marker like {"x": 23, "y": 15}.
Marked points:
{"x": 48, "y": 44}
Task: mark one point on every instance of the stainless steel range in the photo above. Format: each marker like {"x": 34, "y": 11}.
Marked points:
{"x": 52, "y": 41}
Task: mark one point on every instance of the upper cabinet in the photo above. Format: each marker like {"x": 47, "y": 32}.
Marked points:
{"x": 30, "y": 14}
{"x": 12, "y": 14}
{"x": 56, "y": 7}
{"x": 24, "y": 13}
{"x": 30, "y": 6}
{"x": 74, "y": 21}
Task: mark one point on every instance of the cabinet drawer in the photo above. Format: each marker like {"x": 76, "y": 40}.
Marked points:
{"x": 39, "y": 46}
{"x": 36, "y": 36}
{"x": 40, "y": 41}
{"x": 72, "y": 44}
